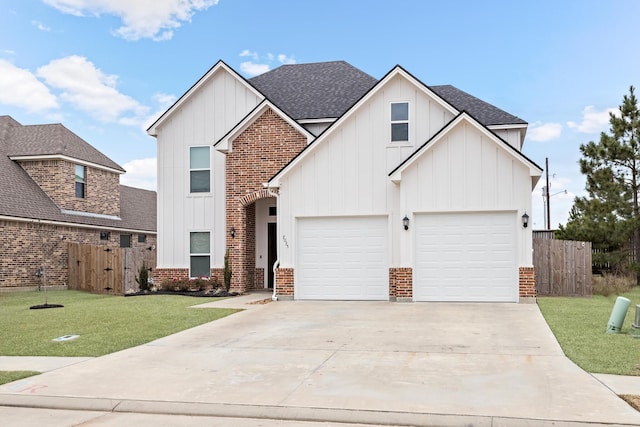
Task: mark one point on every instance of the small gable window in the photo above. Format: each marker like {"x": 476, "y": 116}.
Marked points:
{"x": 399, "y": 122}
{"x": 199, "y": 170}
{"x": 81, "y": 172}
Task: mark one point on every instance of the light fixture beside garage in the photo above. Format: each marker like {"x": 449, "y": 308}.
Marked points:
{"x": 405, "y": 222}
{"x": 525, "y": 220}
{"x": 232, "y": 232}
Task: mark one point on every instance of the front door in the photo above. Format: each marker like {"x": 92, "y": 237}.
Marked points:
{"x": 272, "y": 251}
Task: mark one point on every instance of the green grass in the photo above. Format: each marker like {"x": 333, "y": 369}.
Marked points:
{"x": 579, "y": 325}
{"x": 105, "y": 324}
{"x": 9, "y": 376}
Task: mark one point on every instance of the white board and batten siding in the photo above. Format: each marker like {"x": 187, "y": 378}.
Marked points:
{"x": 206, "y": 115}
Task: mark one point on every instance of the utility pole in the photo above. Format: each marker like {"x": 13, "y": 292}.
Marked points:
{"x": 547, "y": 194}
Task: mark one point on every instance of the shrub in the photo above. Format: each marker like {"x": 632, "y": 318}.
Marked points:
{"x": 227, "y": 271}
{"x": 184, "y": 284}
{"x": 609, "y": 284}
{"x": 143, "y": 277}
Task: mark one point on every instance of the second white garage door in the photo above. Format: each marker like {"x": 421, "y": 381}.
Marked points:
{"x": 342, "y": 258}
{"x": 465, "y": 257}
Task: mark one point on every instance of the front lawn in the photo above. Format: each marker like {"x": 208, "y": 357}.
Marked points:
{"x": 104, "y": 324}
{"x": 579, "y": 325}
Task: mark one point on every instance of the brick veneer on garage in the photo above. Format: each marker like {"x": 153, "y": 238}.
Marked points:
{"x": 401, "y": 283}
{"x": 284, "y": 282}
{"x": 26, "y": 246}
{"x": 258, "y": 153}
{"x": 527, "y": 282}
{"x": 57, "y": 179}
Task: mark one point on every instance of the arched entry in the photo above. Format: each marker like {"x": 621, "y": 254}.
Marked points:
{"x": 253, "y": 244}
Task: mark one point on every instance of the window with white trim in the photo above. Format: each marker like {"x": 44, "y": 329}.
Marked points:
{"x": 199, "y": 254}
{"x": 199, "y": 169}
{"x": 399, "y": 122}
{"x": 81, "y": 173}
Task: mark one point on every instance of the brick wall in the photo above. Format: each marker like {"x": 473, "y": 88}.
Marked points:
{"x": 527, "y": 281}
{"x": 401, "y": 282}
{"x": 284, "y": 282}
{"x": 57, "y": 179}
{"x": 258, "y": 153}
{"x": 24, "y": 247}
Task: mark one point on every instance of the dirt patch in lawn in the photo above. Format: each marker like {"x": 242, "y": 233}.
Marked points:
{"x": 632, "y": 400}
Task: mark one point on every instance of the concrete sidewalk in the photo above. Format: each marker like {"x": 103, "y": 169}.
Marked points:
{"x": 342, "y": 362}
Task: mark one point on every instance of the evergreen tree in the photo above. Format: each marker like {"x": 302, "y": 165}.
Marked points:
{"x": 609, "y": 215}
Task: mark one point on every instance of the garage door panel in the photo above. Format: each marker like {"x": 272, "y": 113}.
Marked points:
{"x": 342, "y": 258}
{"x": 465, "y": 257}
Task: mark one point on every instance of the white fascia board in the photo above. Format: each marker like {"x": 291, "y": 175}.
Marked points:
{"x": 396, "y": 175}
{"x": 220, "y": 65}
{"x": 520, "y": 126}
{"x": 397, "y": 70}
{"x": 225, "y": 144}
{"x": 312, "y": 121}
{"x": 67, "y": 159}
{"x": 74, "y": 225}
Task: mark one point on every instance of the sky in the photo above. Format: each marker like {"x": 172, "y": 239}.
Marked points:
{"x": 107, "y": 68}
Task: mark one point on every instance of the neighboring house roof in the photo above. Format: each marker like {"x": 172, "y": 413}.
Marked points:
{"x": 314, "y": 91}
{"x": 21, "y": 197}
{"x": 485, "y": 113}
{"x": 54, "y": 140}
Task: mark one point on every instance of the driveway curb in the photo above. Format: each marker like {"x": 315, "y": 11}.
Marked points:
{"x": 285, "y": 413}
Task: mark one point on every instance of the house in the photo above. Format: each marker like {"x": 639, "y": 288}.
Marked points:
{"x": 329, "y": 184}
{"x": 55, "y": 188}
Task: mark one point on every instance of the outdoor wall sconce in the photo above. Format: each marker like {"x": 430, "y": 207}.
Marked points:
{"x": 525, "y": 220}
{"x": 232, "y": 232}
{"x": 405, "y": 222}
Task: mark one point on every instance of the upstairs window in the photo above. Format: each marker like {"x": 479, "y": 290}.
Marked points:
{"x": 199, "y": 170}
{"x": 200, "y": 254}
{"x": 400, "y": 122}
{"x": 80, "y": 181}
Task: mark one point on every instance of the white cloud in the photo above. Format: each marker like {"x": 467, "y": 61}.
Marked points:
{"x": 261, "y": 64}
{"x": 163, "y": 102}
{"x": 253, "y": 69}
{"x": 19, "y": 87}
{"x": 541, "y": 132}
{"x": 141, "y": 173}
{"x": 9, "y": 52}
{"x": 284, "y": 59}
{"x": 154, "y": 19}
{"x": 248, "y": 53}
{"x": 90, "y": 90}
{"x": 593, "y": 121}
{"x": 39, "y": 25}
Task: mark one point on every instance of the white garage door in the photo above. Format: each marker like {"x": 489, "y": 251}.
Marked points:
{"x": 342, "y": 258}
{"x": 465, "y": 257}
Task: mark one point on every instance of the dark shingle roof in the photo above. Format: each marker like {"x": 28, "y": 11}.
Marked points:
{"x": 314, "y": 91}
{"x": 329, "y": 89}
{"x": 55, "y": 139}
{"x": 484, "y": 112}
{"x": 21, "y": 197}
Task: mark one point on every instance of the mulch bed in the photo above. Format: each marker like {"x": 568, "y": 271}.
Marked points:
{"x": 202, "y": 294}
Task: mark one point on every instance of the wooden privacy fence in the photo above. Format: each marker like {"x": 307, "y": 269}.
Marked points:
{"x": 101, "y": 269}
{"x": 562, "y": 267}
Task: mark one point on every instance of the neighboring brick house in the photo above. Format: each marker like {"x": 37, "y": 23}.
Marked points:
{"x": 56, "y": 188}
{"x": 345, "y": 187}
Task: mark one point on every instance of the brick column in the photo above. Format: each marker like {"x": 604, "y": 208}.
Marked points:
{"x": 527, "y": 281}
{"x": 401, "y": 284}
{"x": 284, "y": 283}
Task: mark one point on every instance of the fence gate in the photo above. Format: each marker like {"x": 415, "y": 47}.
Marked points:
{"x": 562, "y": 267}
{"x": 107, "y": 270}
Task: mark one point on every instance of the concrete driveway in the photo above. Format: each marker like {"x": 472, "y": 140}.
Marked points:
{"x": 357, "y": 362}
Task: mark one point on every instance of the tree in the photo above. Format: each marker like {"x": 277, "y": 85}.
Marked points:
{"x": 610, "y": 215}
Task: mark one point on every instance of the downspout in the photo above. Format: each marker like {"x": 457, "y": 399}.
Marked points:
{"x": 274, "y": 297}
